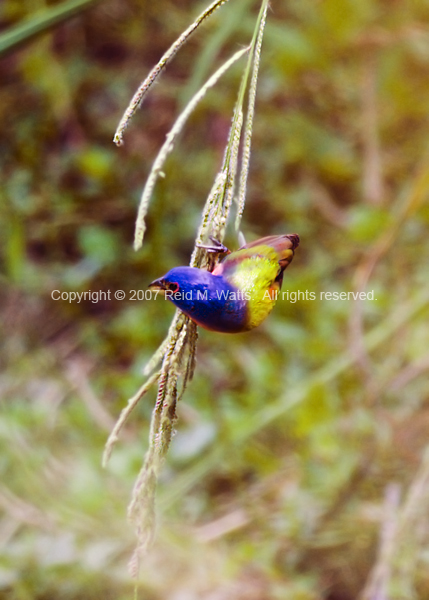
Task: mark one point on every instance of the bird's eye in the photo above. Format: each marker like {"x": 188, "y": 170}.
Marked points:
{"x": 173, "y": 287}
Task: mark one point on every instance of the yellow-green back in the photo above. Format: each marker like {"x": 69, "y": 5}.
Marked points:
{"x": 253, "y": 271}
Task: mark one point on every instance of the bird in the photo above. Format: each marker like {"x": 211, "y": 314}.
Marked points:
{"x": 240, "y": 291}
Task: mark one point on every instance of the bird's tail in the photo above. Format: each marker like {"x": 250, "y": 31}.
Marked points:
{"x": 284, "y": 245}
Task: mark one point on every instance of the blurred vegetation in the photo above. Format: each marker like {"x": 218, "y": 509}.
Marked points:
{"x": 300, "y": 465}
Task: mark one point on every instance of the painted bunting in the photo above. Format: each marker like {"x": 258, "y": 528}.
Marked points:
{"x": 241, "y": 290}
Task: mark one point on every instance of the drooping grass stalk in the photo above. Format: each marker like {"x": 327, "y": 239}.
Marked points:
{"x": 169, "y": 144}
{"x": 178, "y": 361}
{"x": 248, "y": 130}
{"x": 226, "y": 177}
{"x": 125, "y": 413}
{"x": 156, "y": 71}
{"x": 176, "y": 354}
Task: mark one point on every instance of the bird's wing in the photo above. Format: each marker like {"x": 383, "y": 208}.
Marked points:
{"x": 278, "y": 248}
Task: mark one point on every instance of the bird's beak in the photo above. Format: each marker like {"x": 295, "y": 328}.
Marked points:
{"x": 158, "y": 284}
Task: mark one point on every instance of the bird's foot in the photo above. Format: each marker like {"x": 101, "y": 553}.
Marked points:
{"x": 216, "y": 248}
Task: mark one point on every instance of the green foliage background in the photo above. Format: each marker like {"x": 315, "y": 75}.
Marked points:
{"x": 298, "y": 451}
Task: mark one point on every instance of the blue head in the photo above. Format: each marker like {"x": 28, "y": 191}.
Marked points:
{"x": 207, "y": 299}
